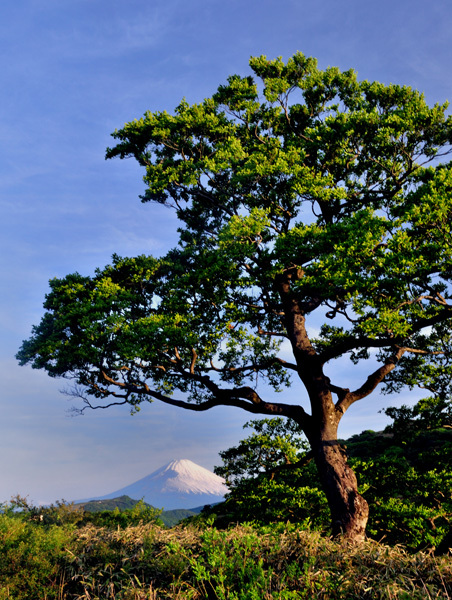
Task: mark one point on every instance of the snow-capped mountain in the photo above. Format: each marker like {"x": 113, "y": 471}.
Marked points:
{"x": 179, "y": 484}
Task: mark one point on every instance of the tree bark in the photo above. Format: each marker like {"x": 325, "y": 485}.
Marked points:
{"x": 349, "y": 510}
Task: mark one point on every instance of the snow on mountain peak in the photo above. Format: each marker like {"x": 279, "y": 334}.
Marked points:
{"x": 188, "y": 477}
{"x": 179, "y": 484}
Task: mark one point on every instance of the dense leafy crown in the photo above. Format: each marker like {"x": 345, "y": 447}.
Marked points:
{"x": 302, "y": 194}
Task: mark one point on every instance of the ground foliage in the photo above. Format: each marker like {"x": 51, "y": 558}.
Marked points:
{"x": 125, "y": 511}
{"x": 148, "y": 562}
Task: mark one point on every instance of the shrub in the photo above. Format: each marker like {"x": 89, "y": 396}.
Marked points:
{"x": 30, "y": 558}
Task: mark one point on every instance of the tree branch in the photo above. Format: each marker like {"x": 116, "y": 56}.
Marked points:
{"x": 353, "y": 343}
{"x": 244, "y": 397}
{"x": 253, "y": 367}
{"x": 371, "y": 382}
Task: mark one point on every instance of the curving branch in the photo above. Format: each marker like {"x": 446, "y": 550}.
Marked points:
{"x": 243, "y": 397}
{"x": 353, "y": 343}
{"x": 76, "y": 392}
{"x": 253, "y": 367}
{"x": 348, "y": 398}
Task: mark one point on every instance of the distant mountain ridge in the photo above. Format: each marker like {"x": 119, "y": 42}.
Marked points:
{"x": 124, "y": 503}
{"x": 179, "y": 484}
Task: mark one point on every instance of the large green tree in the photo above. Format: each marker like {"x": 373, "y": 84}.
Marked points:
{"x": 315, "y": 223}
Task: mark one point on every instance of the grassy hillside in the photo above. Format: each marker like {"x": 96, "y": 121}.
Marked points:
{"x": 121, "y": 503}
{"x": 119, "y": 549}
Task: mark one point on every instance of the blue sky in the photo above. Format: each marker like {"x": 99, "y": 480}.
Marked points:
{"x": 71, "y": 73}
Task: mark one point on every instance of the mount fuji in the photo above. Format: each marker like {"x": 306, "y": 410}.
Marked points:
{"x": 179, "y": 484}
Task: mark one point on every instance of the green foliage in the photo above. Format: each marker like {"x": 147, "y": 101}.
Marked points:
{"x": 429, "y": 413}
{"x": 282, "y": 499}
{"x": 139, "y": 513}
{"x": 408, "y": 484}
{"x": 60, "y": 513}
{"x": 30, "y": 557}
{"x": 410, "y": 505}
{"x": 265, "y": 482}
{"x": 274, "y": 443}
{"x": 120, "y": 512}
{"x": 243, "y": 169}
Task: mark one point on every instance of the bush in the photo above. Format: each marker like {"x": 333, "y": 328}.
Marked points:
{"x": 30, "y": 558}
{"x": 263, "y": 500}
{"x": 140, "y": 513}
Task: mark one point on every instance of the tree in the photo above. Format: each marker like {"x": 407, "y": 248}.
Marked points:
{"x": 315, "y": 220}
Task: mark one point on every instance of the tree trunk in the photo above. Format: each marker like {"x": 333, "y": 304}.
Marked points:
{"x": 349, "y": 510}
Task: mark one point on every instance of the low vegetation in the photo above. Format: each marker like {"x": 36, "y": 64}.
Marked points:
{"x": 127, "y": 507}
{"x": 244, "y": 562}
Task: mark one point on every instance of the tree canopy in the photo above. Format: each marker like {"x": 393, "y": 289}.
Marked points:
{"x": 315, "y": 223}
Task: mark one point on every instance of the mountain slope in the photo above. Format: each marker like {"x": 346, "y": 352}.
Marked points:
{"x": 179, "y": 484}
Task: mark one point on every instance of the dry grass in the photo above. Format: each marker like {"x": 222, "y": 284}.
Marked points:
{"x": 245, "y": 563}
